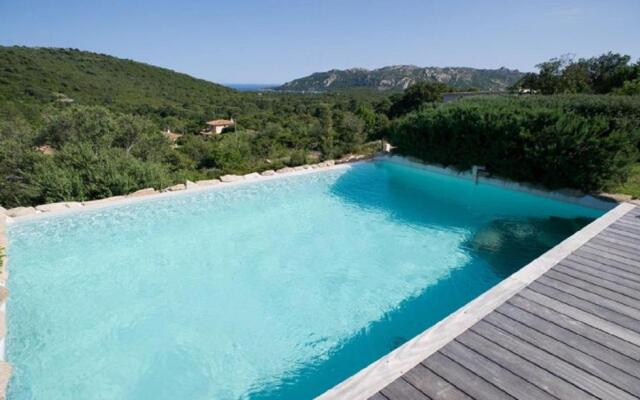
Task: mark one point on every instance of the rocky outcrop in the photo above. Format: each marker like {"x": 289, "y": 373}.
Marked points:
{"x": 102, "y": 201}
{"x": 268, "y": 172}
{"x": 5, "y": 375}
{"x": 399, "y": 77}
{"x": 20, "y": 211}
{"x": 175, "y": 188}
{"x": 142, "y": 192}
{"x": 285, "y": 170}
{"x": 58, "y": 206}
{"x": 3, "y": 210}
{"x": 208, "y": 182}
{"x": 190, "y": 185}
{"x": 231, "y": 178}
{"x": 253, "y": 175}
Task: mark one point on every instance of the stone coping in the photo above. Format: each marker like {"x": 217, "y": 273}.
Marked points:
{"x": 567, "y": 195}
{"x": 387, "y": 369}
{"x": 27, "y": 213}
{"x": 47, "y": 210}
{"x": 5, "y": 367}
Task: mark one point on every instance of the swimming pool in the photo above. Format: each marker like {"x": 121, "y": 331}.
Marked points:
{"x": 275, "y": 289}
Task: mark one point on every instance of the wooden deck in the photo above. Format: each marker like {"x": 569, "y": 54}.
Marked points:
{"x": 571, "y": 332}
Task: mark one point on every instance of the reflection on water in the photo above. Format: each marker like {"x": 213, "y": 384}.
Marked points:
{"x": 505, "y": 243}
{"x": 504, "y": 231}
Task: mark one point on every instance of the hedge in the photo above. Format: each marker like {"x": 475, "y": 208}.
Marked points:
{"x": 580, "y": 142}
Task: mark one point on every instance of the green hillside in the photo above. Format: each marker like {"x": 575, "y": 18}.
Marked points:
{"x": 43, "y": 75}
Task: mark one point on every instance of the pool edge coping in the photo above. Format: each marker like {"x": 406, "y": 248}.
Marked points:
{"x": 5, "y": 367}
{"x": 377, "y": 375}
{"x": 129, "y": 199}
{"x": 586, "y": 200}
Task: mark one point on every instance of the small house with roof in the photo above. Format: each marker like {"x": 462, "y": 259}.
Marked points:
{"x": 216, "y": 126}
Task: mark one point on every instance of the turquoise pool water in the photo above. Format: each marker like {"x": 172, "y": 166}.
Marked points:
{"x": 275, "y": 289}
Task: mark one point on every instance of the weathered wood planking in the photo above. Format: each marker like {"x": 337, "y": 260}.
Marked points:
{"x": 567, "y": 326}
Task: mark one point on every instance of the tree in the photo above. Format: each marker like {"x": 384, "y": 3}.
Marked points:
{"x": 601, "y": 75}
{"x": 324, "y": 130}
{"x": 609, "y": 71}
{"x": 549, "y": 80}
{"x": 630, "y": 88}
{"x": 576, "y": 78}
{"x": 351, "y": 131}
{"x": 416, "y": 96}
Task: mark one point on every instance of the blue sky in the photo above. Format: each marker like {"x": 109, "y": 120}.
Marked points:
{"x": 272, "y": 41}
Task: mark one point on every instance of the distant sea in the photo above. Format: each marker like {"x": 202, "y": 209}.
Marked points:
{"x": 251, "y": 87}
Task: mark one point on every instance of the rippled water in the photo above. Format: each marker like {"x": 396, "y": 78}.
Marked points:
{"x": 278, "y": 289}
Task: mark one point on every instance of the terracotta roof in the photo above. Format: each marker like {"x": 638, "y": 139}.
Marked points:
{"x": 220, "y": 122}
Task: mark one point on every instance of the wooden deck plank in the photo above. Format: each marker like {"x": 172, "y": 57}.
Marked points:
{"x": 581, "y": 328}
{"x": 513, "y": 382}
{"x": 627, "y": 225}
{"x": 617, "y": 243}
{"x": 616, "y": 238}
{"x": 580, "y": 342}
{"x": 595, "y": 309}
{"x": 594, "y": 289}
{"x": 630, "y": 258}
{"x": 589, "y": 257}
{"x": 599, "y": 280}
{"x": 630, "y": 222}
{"x": 607, "y": 233}
{"x": 613, "y": 254}
{"x": 583, "y": 316}
{"x": 624, "y": 233}
{"x": 575, "y": 377}
{"x": 601, "y": 301}
{"x": 465, "y": 380}
{"x": 626, "y": 228}
{"x": 605, "y": 257}
{"x": 433, "y": 385}
{"x": 600, "y": 268}
{"x": 600, "y": 370}
{"x": 402, "y": 390}
{"x": 611, "y": 237}
{"x": 378, "y": 396}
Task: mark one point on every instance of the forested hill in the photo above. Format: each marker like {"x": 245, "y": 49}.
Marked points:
{"x": 35, "y": 76}
{"x": 400, "y": 77}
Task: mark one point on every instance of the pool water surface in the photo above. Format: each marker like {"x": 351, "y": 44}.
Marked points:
{"x": 273, "y": 289}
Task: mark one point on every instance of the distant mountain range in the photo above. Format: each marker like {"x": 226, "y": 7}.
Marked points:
{"x": 399, "y": 77}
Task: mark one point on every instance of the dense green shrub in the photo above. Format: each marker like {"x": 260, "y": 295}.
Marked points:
{"x": 555, "y": 142}
{"x": 80, "y": 172}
